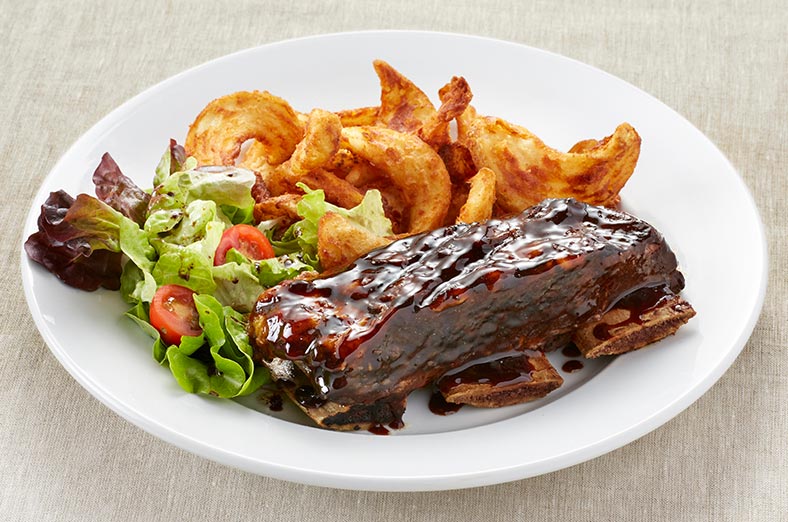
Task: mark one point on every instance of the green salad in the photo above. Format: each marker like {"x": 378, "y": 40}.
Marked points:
{"x": 188, "y": 258}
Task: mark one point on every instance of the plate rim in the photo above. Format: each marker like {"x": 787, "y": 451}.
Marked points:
{"x": 371, "y": 482}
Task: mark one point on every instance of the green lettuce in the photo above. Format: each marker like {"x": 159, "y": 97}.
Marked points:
{"x": 173, "y": 160}
{"x": 217, "y": 362}
{"x": 302, "y": 236}
{"x": 239, "y": 281}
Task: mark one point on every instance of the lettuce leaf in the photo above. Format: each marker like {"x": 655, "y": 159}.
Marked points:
{"x": 173, "y": 160}
{"x": 78, "y": 240}
{"x": 302, "y": 235}
{"x": 219, "y": 361}
{"x": 240, "y": 281}
{"x": 230, "y": 186}
{"x": 120, "y": 192}
{"x": 86, "y": 271}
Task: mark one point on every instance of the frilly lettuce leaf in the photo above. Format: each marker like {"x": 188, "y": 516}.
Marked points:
{"x": 219, "y": 361}
{"x": 184, "y": 267}
{"x": 240, "y": 281}
{"x": 79, "y": 240}
{"x": 173, "y": 160}
{"x": 120, "y": 192}
{"x": 230, "y": 186}
{"x": 302, "y": 235}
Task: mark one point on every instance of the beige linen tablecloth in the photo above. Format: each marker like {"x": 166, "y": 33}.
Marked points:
{"x": 65, "y": 456}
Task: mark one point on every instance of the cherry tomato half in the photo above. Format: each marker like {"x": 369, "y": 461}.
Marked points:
{"x": 173, "y": 314}
{"x": 246, "y": 239}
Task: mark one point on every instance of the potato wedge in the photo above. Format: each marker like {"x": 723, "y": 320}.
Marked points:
{"x": 216, "y": 136}
{"x": 340, "y": 241}
{"x": 358, "y": 116}
{"x": 318, "y": 147}
{"x": 411, "y": 165}
{"x": 455, "y": 97}
{"x": 337, "y": 190}
{"x": 529, "y": 171}
{"x": 283, "y": 208}
{"x": 481, "y": 198}
{"x": 458, "y": 161}
{"x": 403, "y": 106}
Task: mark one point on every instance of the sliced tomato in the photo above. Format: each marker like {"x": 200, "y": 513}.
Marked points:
{"x": 173, "y": 313}
{"x": 246, "y": 239}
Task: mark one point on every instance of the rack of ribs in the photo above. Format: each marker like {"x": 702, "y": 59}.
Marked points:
{"x": 456, "y": 305}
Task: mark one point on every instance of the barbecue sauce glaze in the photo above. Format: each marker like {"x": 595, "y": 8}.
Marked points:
{"x": 402, "y": 316}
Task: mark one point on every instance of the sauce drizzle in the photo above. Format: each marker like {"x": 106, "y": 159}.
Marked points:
{"x": 637, "y": 303}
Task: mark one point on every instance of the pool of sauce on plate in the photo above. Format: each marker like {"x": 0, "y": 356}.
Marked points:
{"x": 572, "y": 366}
{"x": 379, "y": 429}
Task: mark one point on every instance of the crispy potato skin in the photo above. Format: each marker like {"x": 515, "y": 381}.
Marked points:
{"x": 481, "y": 198}
{"x": 455, "y": 97}
{"x": 282, "y": 208}
{"x": 403, "y": 106}
{"x": 216, "y": 136}
{"x": 411, "y": 165}
{"x": 317, "y": 148}
{"x": 337, "y": 190}
{"x": 340, "y": 242}
{"x": 529, "y": 171}
{"x": 358, "y": 116}
{"x": 320, "y": 143}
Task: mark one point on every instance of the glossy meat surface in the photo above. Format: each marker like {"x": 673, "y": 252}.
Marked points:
{"x": 401, "y": 316}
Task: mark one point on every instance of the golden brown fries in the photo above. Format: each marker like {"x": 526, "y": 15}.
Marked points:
{"x": 455, "y": 97}
{"x": 337, "y": 190}
{"x": 340, "y": 242}
{"x": 481, "y": 198}
{"x": 317, "y": 148}
{"x": 403, "y": 148}
{"x": 403, "y": 106}
{"x": 281, "y": 207}
{"x": 359, "y": 116}
{"x": 529, "y": 171}
{"x": 216, "y": 136}
{"x": 412, "y": 166}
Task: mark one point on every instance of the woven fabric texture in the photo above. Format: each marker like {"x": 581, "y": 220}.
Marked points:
{"x": 64, "y": 456}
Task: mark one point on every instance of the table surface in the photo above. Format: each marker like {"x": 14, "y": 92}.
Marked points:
{"x": 65, "y": 456}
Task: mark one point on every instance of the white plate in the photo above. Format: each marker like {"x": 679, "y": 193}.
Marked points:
{"x": 683, "y": 185}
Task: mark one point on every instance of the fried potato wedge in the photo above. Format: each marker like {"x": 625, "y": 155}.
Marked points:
{"x": 283, "y": 208}
{"x": 340, "y": 241}
{"x": 403, "y": 106}
{"x": 320, "y": 143}
{"x": 411, "y": 165}
{"x": 255, "y": 157}
{"x": 342, "y": 163}
{"x": 455, "y": 97}
{"x": 481, "y": 198}
{"x": 358, "y": 116}
{"x": 318, "y": 147}
{"x": 216, "y": 136}
{"x": 529, "y": 171}
{"x": 337, "y": 190}
{"x": 458, "y": 161}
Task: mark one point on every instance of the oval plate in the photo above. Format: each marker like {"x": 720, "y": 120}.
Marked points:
{"x": 563, "y": 101}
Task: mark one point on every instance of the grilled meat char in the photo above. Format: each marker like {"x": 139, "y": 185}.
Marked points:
{"x": 403, "y": 315}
